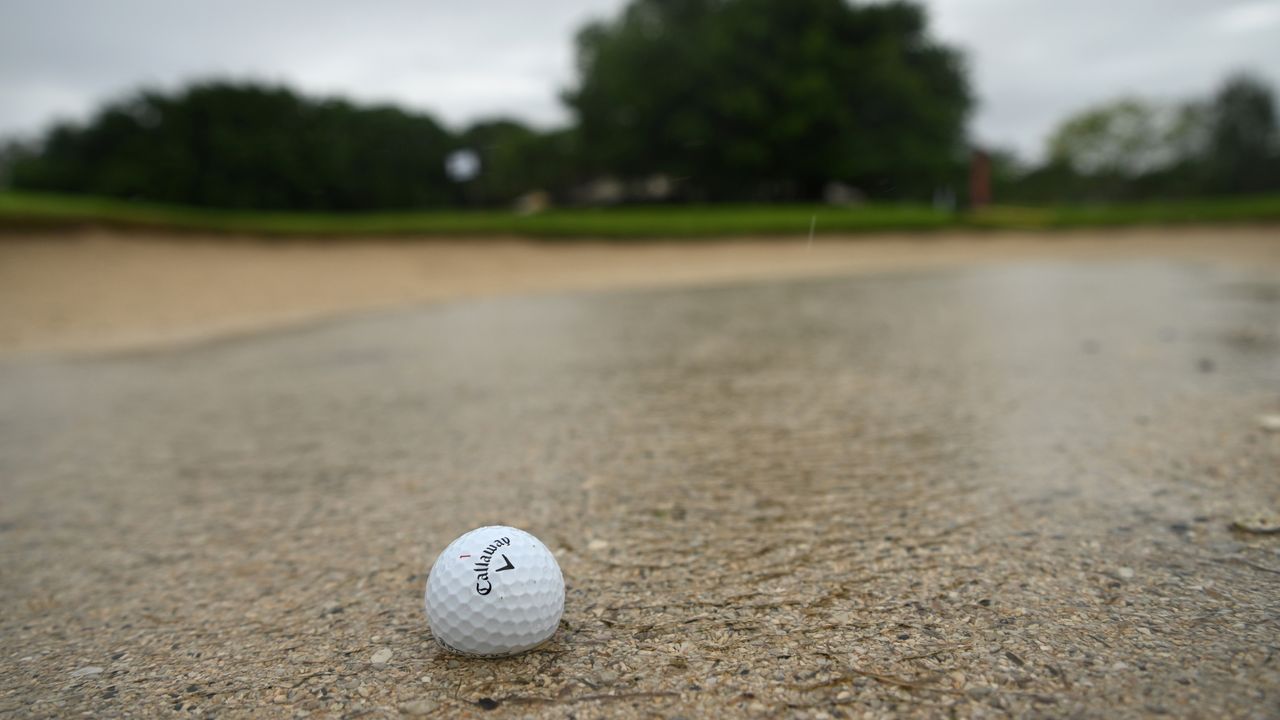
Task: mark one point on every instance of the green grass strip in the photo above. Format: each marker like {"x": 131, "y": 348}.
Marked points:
{"x": 32, "y": 210}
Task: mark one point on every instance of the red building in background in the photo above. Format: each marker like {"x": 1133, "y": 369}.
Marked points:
{"x": 979, "y": 179}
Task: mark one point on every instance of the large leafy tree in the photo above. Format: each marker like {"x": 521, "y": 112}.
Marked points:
{"x": 767, "y": 99}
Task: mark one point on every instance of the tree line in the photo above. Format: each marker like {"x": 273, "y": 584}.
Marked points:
{"x": 1135, "y": 148}
{"x": 725, "y": 99}
{"x": 719, "y": 100}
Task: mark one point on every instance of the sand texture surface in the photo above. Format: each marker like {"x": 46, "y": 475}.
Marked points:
{"x": 1008, "y": 484}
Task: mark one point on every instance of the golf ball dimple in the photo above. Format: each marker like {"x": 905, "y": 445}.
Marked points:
{"x": 494, "y": 591}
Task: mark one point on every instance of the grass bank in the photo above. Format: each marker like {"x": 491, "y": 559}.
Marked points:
{"x": 29, "y": 210}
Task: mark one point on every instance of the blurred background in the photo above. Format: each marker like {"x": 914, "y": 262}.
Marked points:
{"x": 937, "y": 105}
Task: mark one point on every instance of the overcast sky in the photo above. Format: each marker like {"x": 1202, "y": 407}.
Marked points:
{"x": 1032, "y": 61}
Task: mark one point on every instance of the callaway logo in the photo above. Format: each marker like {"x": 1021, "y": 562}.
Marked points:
{"x": 483, "y": 584}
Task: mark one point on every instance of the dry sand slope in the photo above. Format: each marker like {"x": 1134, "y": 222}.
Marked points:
{"x": 97, "y": 290}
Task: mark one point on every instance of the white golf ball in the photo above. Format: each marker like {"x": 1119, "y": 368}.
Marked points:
{"x": 494, "y": 591}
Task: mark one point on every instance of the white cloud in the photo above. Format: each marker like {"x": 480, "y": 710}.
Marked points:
{"x": 1249, "y": 17}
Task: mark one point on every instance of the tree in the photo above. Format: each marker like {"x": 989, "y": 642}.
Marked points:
{"x": 1125, "y": 138}
{"x": 246, "y": 146}
{"x": 1134, "y": 149}
{"x": 516, "y": 159}
{"x": 1244, "y": 155}
{"x": 766, "y": 99}
{"x": 11, "y": 153}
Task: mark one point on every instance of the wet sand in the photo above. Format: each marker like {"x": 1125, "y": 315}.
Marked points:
{"x": 978, "y": 488}
{"x": 92, "y": 291}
